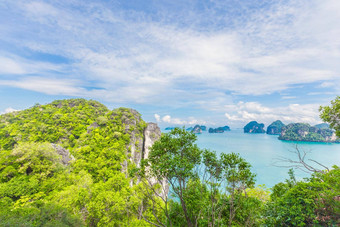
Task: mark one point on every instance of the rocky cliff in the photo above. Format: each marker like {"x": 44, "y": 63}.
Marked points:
{"x": 197, "y": 129}
{"x": 151, "y": 134}
{"x": 275, "y": 128}
{"x": 254, "y": 127}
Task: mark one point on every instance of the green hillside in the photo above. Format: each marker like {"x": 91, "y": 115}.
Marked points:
{"x": 76, "y": 163}
{"x": 92, "y": 188}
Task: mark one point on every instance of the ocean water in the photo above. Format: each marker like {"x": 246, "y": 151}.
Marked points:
{"x": 262, "y": 152}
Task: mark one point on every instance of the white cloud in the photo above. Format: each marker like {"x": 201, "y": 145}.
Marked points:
{"x": 157, "y": 117}
{"x": 242, "y": 113}
{"x": 143, "y": 61}
{"x": 8, "y": 66}
{"x": 47, "y": 85}
{"x": 288, "y": 97}
{"x": 15, "y": 65}
{"x": 9, "y": 110}
{"x": 327, "y": 84}
{"x": 178, "y": 121}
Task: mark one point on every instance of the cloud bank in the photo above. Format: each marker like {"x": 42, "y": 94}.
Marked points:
{"x": 208, "y": 56}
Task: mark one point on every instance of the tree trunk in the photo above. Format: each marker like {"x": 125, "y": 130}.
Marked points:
{"x": 185, "y": 211}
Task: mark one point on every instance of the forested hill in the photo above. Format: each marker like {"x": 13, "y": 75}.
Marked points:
{"x": 72, "y": 161}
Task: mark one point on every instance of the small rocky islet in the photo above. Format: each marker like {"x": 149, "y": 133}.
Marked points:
{"x": 219, "y": 129}
{"x": 200, "y": 128}
{"x": 275, "y": 128}
{"x": 254, "y": 127}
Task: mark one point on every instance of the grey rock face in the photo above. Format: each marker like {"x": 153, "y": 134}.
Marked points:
{"x": 151, "y": 134}
{"x": 131, "y": 120}
{"x": 92, "y": 126}
{"x": 141, "y": 139}
{"x": 275, "y": 128}
{"x": 197, "y": 129}
{"x": 66, "y": 157}
{"x": 254, "y": 127}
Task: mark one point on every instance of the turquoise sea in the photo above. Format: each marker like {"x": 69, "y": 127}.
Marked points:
{"x": 262, "y": 150}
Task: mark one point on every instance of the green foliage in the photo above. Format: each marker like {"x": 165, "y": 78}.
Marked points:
{"x": 254, "y": 127}
{"x": 36, "y": 158}
{"x": 331, "y": 114}
{"x": 39, "y": 214}
{"x": 175, "y": 154}
{"x": 305, "y": 132}
{"x": 68, "y": 156}
{"x": 53, "y": 123}
{"x": 306, "y": 203}
{"x": 237, "y": 172}
{"x": 174, "y": 158}
{"x": 275, "y": 127}
{"x": 200, "y": 198}
{"x": 69, "y": 163}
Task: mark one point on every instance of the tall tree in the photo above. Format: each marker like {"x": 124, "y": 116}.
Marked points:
{"x": 238, "y": 176}
{"x": 174, "y": 158}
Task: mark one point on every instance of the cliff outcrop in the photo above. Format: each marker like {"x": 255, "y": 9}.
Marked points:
{"x": 275, "y": 128}
{"x": 197, "y": 129}
{"x": 254, "y": 127}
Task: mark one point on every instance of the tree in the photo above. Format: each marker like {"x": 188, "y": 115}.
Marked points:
{"x": 310, "y": 202}
{"x": 239, "y": 177}
{"x": 331, "y": 114}
{"x": 174, "y": 158}
{"x": 206, "y": 190}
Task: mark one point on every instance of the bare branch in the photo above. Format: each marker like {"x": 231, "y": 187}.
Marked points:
{"x": 301, "y": 163}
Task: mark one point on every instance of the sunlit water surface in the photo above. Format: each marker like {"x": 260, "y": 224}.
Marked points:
{"x": 262, "y": 150}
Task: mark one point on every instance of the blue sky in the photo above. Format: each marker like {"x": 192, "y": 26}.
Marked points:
{"x": 177, "y": 62}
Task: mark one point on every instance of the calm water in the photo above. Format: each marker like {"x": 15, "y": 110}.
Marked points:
{"x": 261, "y": 150}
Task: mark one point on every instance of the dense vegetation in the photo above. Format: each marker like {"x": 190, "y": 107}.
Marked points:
{"x": 331, "y": 114}
{"x": 275, "y": 128}
{"x": 305, "y": 132}
{"x": 254, "y": 127}
{"x": 38, "y": 189}
{"x": 70, "y": 163}
{"x": 197, "y": 129}
{"x": 322, "y": 125}
{"x": 219, "y": 129}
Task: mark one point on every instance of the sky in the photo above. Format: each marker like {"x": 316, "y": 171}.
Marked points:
{"x": 178, "y": 62}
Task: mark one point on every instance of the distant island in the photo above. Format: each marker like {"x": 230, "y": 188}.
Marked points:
{"x": 275, "y": 128}
{"x": 219, "y": 129}
{"x": 308, "y": 133}
{"x": 254, "y": 127}
{"x": 322, "y": 126}
{"x": 197, "y": 129}
{"x": 291, "y": 132}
